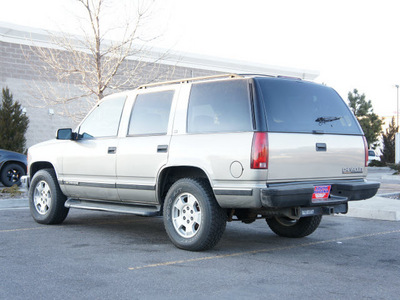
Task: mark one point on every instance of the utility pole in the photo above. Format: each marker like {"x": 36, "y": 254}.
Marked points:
{"x": 397, "y": 111}
{"x": 397, "y": 136}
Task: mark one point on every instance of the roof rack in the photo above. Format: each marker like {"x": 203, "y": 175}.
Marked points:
{"x": 186, "y": 80}
{"x": 254, "y": 75}
{"x": 289, "y": 77}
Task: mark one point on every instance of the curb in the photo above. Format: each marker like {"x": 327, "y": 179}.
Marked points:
{"x": 376, "y": 208}
{"x": 391, "y": 177}
{"x": 10, "y": 203}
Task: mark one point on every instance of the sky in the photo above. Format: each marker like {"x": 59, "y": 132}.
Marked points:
{"x": 353, "y": 44}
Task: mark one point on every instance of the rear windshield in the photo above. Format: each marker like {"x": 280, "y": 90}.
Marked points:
{"x": 299, "y": 106}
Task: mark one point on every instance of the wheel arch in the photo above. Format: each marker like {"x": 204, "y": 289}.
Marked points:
{"x": 5, "y": 164}
{"x": 39, "y": 165}
{"x": 169, "y": 175}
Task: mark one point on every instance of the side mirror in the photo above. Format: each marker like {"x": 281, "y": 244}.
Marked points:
{"x": 64, "y": 134}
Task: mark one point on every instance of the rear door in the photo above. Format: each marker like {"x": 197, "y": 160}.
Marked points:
{"x": 304, "y": 157}
{"x": 312, "y": 133}
{"x": 144, "y": 150}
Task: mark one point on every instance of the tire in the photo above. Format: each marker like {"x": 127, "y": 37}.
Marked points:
{"x": 286, "y": 227}
{"x": 46, "y": 201}
{"x": 11, "y": 174}
{"x": 191, "y": 201}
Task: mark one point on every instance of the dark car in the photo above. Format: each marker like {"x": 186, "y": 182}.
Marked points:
{"x": 12, "y": 167}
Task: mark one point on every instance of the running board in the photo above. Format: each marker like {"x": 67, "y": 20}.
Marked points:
{"x": 146, "y": 211}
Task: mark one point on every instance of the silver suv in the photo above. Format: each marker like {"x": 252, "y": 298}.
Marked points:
{"x": 204, "y": 151}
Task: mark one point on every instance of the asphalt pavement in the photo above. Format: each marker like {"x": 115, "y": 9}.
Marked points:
{"x": 100, "y": 255}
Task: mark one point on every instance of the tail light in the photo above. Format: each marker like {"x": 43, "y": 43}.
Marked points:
{"x": 259, "y": 151}
{"x": 366, "y": 151}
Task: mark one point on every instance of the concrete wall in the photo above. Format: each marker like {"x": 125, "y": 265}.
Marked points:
{"x": 22, "y": 72}
{"x": 17, "y": 74}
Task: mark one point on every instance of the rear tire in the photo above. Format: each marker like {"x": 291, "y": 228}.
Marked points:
{"x": 193, "y": 219}
{"x": 286, "y": 227}
{"x": 46, "y": 201}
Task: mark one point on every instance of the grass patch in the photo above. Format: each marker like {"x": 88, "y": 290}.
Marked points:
{"x": 13, "y": 191}
{"x": 395, "y": 167}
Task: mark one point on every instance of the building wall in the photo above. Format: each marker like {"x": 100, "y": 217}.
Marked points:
{"x": 17, "y": 74}
{"x": 22, "y": 72}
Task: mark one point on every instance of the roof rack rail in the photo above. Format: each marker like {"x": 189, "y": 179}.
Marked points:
{"x": 255, "y": 74}
{"x": 289, "y": 77}
{"x": 144, "y": 86}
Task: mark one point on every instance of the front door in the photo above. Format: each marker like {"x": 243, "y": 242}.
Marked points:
{"x": 89, "y": 163}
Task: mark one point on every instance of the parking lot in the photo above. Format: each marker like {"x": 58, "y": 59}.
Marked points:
{"x": 95, "y": 255}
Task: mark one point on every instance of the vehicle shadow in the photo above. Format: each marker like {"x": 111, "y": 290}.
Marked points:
{"x": 134, "y": 231}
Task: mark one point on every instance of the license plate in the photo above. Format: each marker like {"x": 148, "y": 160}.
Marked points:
{"x": 321, "y": 193}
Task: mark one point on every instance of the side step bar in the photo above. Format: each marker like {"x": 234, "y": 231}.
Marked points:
{"x": 146, "y": 211}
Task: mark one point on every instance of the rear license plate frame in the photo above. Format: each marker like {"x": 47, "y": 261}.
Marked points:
{"x": 321, "y": 193}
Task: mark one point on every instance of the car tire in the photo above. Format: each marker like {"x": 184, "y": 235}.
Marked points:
{"x": 286, "y": 227}
{"x": 11, "y": 174}
{"x": 46, "y": 200}
{"x": 193, "y": 219}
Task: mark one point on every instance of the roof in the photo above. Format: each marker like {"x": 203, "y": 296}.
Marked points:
{"x": 17, "y": 34}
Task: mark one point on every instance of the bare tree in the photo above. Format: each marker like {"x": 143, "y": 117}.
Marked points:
{"x": 88, "y": 67}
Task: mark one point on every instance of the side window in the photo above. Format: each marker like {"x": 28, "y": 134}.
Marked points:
{"x": 150, "y": 113}
{"x": 219, "y": 107}
{"x": 104, "y": 120}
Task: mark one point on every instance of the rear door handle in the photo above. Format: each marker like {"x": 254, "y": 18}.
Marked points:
{"x": 162, "y": 148}
{"x": 320, "y": 147}
{"x": 112, "y": 150}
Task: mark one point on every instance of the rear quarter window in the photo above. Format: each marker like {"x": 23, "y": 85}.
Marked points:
{"x": 221, "y": 106}
{"x": 150, "y": 113}
{"x": 300, "y": 106}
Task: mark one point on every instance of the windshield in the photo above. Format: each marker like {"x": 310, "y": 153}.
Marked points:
{"x": 300, "y": 106}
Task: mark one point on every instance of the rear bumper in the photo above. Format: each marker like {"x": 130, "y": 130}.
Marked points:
{"x": 294, "y": 195}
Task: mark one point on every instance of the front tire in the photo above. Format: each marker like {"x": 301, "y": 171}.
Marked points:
{"x": 46, "y": 201}
{"x": 193, "y": 219}
{"x": 286, "y": 227}
{"x": 11, "y": 174}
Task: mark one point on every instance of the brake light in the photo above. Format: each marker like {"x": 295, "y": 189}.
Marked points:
{"x": 366, "y": 151}
{"x": 259, "y": 151}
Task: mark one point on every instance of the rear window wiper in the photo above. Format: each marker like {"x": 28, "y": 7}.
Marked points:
{"x": 323, "y": 120}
